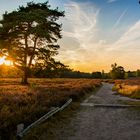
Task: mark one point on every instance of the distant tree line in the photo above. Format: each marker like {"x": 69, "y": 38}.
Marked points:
{"x": 131, "y": 74}
{"x": 55, "y": 69}
{"x": 52, "y": 70}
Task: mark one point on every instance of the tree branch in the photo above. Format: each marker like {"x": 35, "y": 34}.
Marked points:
{"x": 33, "y": 52}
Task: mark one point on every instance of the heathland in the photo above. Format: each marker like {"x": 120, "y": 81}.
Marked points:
{"x": 26, "y": 103}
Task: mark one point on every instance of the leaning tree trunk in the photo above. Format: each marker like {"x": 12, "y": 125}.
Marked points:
{"x": 25, "y": 76}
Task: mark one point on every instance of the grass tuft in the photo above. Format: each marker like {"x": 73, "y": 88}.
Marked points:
{"x": 129, "y": 88}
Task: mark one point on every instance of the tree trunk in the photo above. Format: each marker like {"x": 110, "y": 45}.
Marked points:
{"x": 25, "y": 77}
{"x": 25, "y": 68}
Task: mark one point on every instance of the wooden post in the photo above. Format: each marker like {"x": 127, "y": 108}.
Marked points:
{"x": 20, "y": 128}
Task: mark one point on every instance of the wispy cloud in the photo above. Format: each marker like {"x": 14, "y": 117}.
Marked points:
{"x": 120, "y": 18}
{"x": 110, "y": 1}
{"x": 81, "y": 28}
{"x": 82, "y": 21}
{"x": 130, "y": 39}
{"x": 82, "y": 49}
{"x": 126, "y": 49}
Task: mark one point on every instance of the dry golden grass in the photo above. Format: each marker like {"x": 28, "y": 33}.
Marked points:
{"x": 130, "y": 88}
{"x": 24, "y": 104}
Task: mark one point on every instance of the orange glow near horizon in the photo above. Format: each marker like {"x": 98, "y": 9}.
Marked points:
{"x": 92, "y": 67}
{"x": 6, "y": 62}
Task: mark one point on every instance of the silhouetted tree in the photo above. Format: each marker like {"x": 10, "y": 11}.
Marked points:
{"x": 117, "y": 72}
{"x": 30, "y": 34}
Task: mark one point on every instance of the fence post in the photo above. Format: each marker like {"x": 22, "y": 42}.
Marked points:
{"x": 20, "y": 128}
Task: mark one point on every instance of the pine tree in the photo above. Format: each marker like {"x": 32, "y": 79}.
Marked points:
{"x": 30, "y": 34}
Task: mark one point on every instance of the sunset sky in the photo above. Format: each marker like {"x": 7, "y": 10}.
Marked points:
{"x": 96, "y": 33}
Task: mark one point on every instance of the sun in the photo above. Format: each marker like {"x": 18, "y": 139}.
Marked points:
{"x": 6, "y": 62}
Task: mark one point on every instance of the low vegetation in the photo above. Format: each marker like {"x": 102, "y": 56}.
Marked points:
{"x": 130, "y": 88}
{"x": 25, "y": 104}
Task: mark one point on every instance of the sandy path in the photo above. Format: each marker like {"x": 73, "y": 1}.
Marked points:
{"x": 101, "y": 123}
